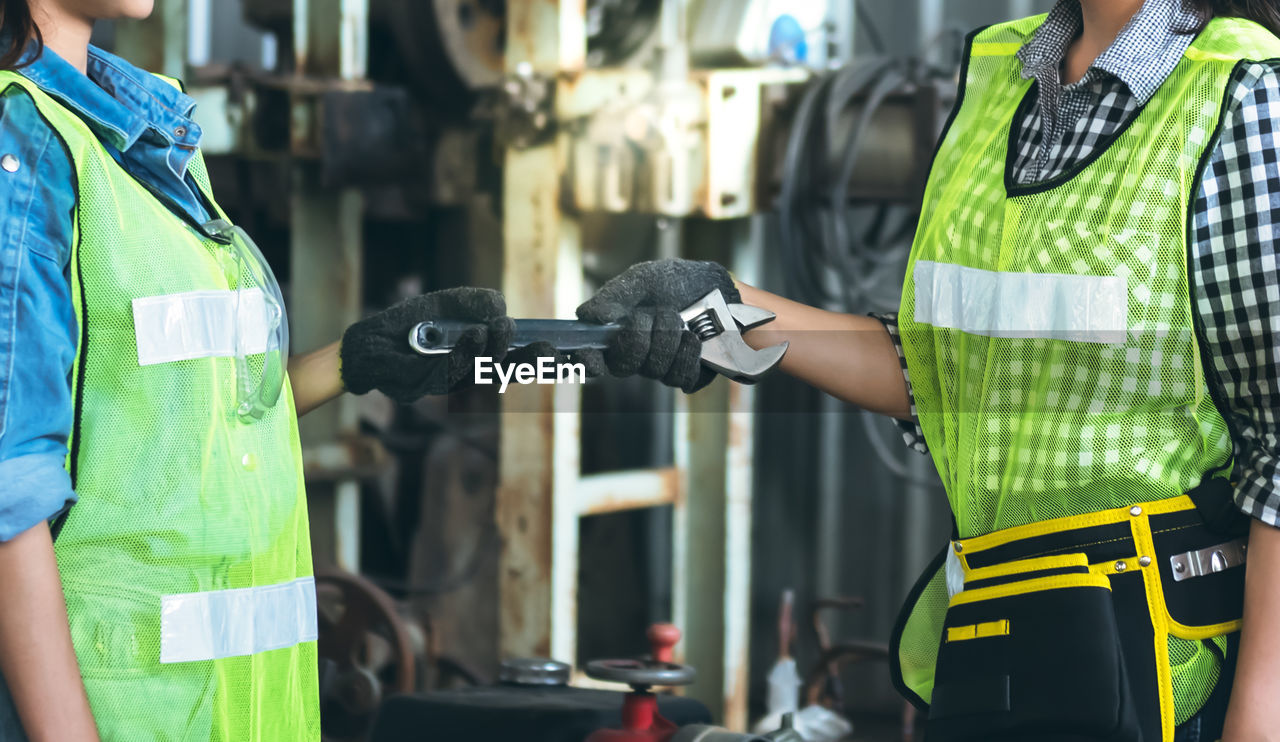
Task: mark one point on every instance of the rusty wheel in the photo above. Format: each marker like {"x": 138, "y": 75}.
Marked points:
{"x": 367, "y": 649}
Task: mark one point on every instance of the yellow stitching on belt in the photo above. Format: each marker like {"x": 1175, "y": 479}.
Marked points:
{"x": 978, "y": 631}
{"x": 1080, "y": 547}
{"x": 993, "y": 628}
{"x": 1024, "y": 587}
{"x": 1142, "y": 538}
{"x": 1197, "y": 633}
{"x": 1072, "y": 522}
{"x": 1027, "y": 565}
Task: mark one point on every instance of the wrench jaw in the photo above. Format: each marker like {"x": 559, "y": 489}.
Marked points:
{"x": 749, "y": 317}
{"x": 720, "y": 326}
{"x": 739, "y": 361}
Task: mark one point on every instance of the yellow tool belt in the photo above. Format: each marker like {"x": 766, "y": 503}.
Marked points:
{"x": 1061, "y": 630}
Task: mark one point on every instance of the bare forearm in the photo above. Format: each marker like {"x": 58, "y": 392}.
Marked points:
{"x": 316, "y": 378}
{"x": 1254, "y": 714}
{"x": 848, "y": 356}
{"x": 36, "y": 655}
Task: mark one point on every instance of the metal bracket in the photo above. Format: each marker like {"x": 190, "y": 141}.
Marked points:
{"x": 1208, "y": 561}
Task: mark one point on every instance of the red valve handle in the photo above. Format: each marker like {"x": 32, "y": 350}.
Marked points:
{"x": 657, "y": 670}
{"x": 663, "y": 638}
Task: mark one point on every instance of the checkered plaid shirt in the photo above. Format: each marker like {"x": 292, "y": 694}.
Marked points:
{"x": 1235, "y": 253}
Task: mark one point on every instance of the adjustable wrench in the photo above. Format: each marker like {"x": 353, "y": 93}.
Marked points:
{"x": 719, "y": 325}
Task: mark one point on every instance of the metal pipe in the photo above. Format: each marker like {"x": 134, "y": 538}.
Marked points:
{"x": 1020, "y": 8}
{"x": 199, "y": 32}
{"x": 931, "y": 25}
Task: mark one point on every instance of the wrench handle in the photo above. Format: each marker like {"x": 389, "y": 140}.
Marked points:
{"x": 438, "y": 337}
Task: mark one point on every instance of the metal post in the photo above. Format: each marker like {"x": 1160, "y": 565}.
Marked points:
{"x": 542, "y": 277}
{"x": 715, "y": 454}
{"x": 1020, "y": 8}
{"x": 931, "y": 25}
{"x": 327, "y": 249}
{"x": 542, "y": 493}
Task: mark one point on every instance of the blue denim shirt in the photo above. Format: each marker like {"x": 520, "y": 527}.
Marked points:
{"x": 145, "y": 124}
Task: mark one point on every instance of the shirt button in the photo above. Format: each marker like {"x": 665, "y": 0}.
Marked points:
{"x": 10, "y": 163}
{"x": 181, "y": 131}
{"x": 249, "y": 462}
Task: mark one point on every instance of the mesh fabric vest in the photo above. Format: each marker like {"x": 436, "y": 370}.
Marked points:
{"x": 1049, "y": 330}
{"x": 186, "y": 563}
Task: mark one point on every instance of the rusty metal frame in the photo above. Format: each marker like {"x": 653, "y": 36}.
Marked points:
{"x": 327, "y": 247}
{"x": 542, "y": 494}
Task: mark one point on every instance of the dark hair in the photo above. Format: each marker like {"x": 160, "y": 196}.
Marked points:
{"x": 17, "y": 27}
{"x": 1265, "y": 13}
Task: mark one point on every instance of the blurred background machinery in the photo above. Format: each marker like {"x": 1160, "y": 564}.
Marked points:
{"x": 379, "y": 148}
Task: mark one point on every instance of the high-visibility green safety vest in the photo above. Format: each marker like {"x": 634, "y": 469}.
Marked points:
{"x": 186, "y": 563}
{"x": 1049, "y": 329}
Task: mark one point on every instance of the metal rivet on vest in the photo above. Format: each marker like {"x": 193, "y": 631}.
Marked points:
{"x": 249, "y": 462}
{"x": 1121, "y": 566}
{"x": 959, "y": 548}
{"x": 10, "y": 163}
{"x": 1145, "y": 561}
{"x": 1135, "y": 511}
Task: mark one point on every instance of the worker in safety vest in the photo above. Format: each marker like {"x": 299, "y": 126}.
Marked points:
{"x": 1089, "y": 331}
{"x": 144, "y": 370}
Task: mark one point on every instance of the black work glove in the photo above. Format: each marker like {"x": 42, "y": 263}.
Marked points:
{"x": 646, "y": 300}
{"x": 376, "y": 354}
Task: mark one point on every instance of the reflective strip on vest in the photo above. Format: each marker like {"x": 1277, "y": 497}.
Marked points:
{"x": 233, "y": 623}
{"x": 199, "y": 324}
{"x": 1089, "y": 309}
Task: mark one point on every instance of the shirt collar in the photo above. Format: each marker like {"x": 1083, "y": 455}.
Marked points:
{"x": 118, "y": 101}
{"x": 1142, "y": 56}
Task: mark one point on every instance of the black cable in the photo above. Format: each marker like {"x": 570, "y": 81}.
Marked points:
{"x": 802, "y": 279}
{"x": 840, "y": 254}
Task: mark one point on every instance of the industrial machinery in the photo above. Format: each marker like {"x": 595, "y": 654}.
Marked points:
{"x": 484, "y": 141}
{"x": 532, "y": 702}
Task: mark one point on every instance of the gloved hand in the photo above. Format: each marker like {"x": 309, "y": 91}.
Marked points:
{"x": 646, "y": 300}
{"x": 376, "y": 354}
{"x": 592, "y": 360}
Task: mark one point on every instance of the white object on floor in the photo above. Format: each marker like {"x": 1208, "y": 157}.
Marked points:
{"x": 813, "y": 723}
{"x": 784, "y": 688}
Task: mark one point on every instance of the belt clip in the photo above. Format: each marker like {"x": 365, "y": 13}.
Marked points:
{"x": 1208, "y": 561}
